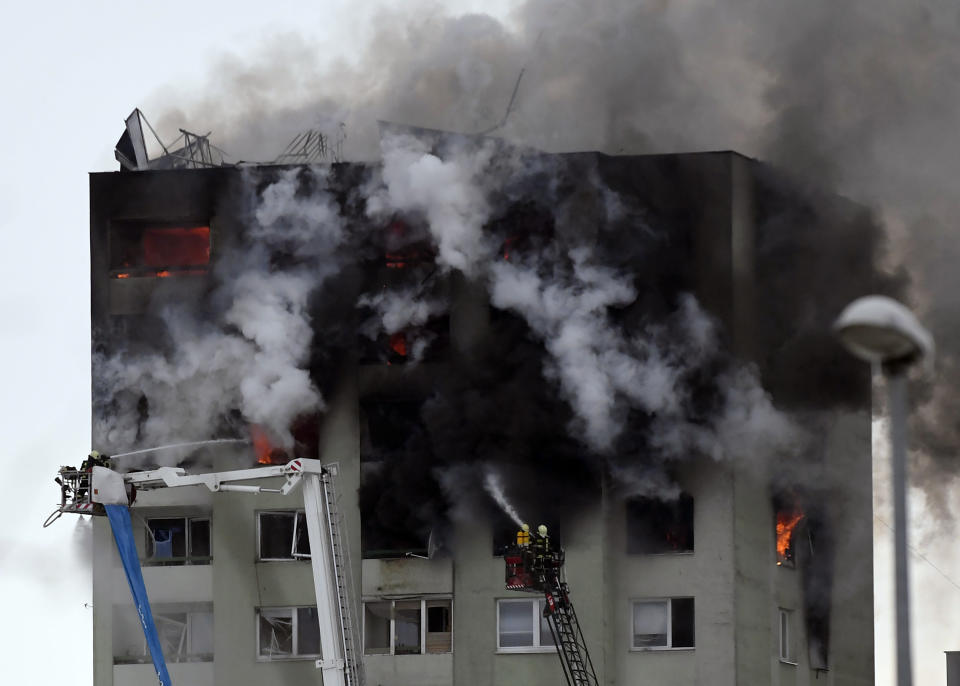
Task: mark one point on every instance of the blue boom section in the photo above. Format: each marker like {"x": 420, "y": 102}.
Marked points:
{"x": 119, "y": 517}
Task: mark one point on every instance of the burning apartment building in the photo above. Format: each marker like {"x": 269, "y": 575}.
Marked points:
{"x": 632, "y": 350}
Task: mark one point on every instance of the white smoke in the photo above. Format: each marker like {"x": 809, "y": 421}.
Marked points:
{"x": 448, "y": 192}
{"x": 587, "y": 357}
{"x": 255, "y": 359}
{"x": 398, "y": 309}
{"x": 566, "y": 300}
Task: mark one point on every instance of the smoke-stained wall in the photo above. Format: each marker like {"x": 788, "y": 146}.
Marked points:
{"x": 572, "y": 326}
{"x": 629, "y": 327}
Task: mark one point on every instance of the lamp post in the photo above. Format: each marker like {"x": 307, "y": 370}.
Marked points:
{"x": 886, "y": 334}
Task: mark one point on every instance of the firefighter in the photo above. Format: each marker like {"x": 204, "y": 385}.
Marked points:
{"x": 542, "y": 545}
{"x": 523, "y": 536}
{"x": 94, "y": 459}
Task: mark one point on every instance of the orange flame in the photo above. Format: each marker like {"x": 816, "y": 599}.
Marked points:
{"x": 787, "y": 521}
{"x": 262, "y": 447}
{"x": 398, "y": 343}
{"x": 161, "y": 274}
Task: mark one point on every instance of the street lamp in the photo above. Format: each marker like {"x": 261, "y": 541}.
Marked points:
{"x": 885, "y": 333}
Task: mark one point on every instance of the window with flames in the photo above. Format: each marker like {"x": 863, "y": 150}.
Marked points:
{"x": 787, "y": 520}
{"x": 159, "y": 251}
{"x": 406, "y": 268}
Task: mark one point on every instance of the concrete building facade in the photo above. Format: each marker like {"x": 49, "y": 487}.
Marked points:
{"x": 720, "y": 607}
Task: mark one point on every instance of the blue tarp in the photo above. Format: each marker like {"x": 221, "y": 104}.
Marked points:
{"x": 119, "y": 516}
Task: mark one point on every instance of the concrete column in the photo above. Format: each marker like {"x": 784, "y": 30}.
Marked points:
{"x": 105, "y": 558}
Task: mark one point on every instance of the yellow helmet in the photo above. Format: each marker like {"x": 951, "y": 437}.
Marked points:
{"x": 525, "y": 527}
{"x": 542, "y": 530}
{"x": 94, "y": 454}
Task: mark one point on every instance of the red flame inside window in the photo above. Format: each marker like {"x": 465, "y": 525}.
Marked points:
{"x": 306, "y": 441}
{"x": 787, "y": 521}
{"x": 176, "y": 247}
{"x": 262, "y": 447}
{"x": 398, "y": 343}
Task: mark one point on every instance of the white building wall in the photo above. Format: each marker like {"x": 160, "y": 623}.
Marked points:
{"x": 706, "y": 574}
{"x": 193, "y": 674}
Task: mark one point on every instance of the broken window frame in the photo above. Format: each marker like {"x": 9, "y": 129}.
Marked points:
{"x": 541, "y": 636}
{"x": 298, "y": 536}
{"x": 150, "y": 558}
{"x": 442, "y": 641}
{"x": 291, "y": 614}
{"x": 187, "y": 618}
{"x": 670, "y": 638}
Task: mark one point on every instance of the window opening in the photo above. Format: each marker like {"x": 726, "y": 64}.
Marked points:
{"x": 288, "y": 632}
{"x": 439, "y": 626}
{"x": 787, "y": 518}
{"x": 521, "y": 626}
{"x": 142, "y": 250}
{"x": 376, "y": 627}
{"x": 392, "y": 522}
{"x": 283, "y": 535}
{"x": 786, "y": 636}
{"x": 659, "y": 526}
{"x": 308, "y": 631}
{"x": 178, "y": 541}
{"x": 407, "y": 627}
{"x": 186, "y": 634}
{"x": 306, "y": 441}
{"x": 276, "y": 633}
{"x": 301, "y": 537}
{"x": 406, "y": 618}
{"x": 650, "y": 624}
{"x": 663, "y": 623}
{"x": 387, "y": 425}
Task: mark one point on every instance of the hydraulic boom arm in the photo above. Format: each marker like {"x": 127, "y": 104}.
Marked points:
{"x": 93, "y": 491}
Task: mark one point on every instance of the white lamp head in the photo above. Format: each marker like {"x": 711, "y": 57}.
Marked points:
{"x": 879, "y": 329}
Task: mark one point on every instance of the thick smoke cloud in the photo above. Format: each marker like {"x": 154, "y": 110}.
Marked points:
{"x": 859, "y": 96}
{"x": 635, "y": 399}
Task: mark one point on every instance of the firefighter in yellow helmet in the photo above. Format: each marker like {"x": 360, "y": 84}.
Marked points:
{"x": 95, "y": 459}
{"x": 542, "y": 545}
{"x": 523, "y": 536}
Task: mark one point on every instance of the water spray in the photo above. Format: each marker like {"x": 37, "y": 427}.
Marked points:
{"x": 493, "y": 486}
{"x": 181, "y": 445}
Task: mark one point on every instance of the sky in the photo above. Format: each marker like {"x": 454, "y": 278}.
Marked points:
{"x": 72, "y": 72}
